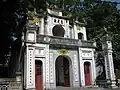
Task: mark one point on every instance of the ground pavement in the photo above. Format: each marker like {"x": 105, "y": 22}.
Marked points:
{"x": 84, "y": 88}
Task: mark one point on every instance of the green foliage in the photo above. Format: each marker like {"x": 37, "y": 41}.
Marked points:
{"x": 104, "y": 19}
{"x": 30, "y": 14}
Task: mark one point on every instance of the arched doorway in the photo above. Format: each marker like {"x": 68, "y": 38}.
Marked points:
{"x": 58, "y": 30}
{"x": 38, "y": 75}
{"x": 87, "y": 73}
{"x": 62, "y": 71}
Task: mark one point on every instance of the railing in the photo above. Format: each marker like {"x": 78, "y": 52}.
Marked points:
{"x": 10, "y": 85}
{"x": 101, "y": 83}
{"x": 105, "y": 83}
{"x": 63, "y": 41}
{"x": 87, "y": 44}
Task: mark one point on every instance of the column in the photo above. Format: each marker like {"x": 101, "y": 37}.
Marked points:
{"x": 110, "y": 75}
{"x": 82, "y": 78}
{"x": 75, "y": 72}
{"x": 30, "y": 68}
{"x": 107, "y": 67}
{"x": 93, "y": 68}
{"x": 48, "y": 24}
{"x": 42, "y": 26}
{"x": 111, "y": 68}
{"x": 52, "y": 82}
{"x": 75, "y": 32}
{"x": 47, "y": 67}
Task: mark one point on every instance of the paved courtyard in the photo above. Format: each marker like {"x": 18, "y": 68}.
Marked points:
{"x": 85, "y": 88}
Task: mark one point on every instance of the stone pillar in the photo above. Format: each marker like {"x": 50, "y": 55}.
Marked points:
{"x": 75, "y": 72}
{"x": 93, "y": 68}
{"x": 18, "y": 76}
{"x": 75, "y": 32}
{"x": 110, "y": 75}
{"x": 52, "y": 82}
{"x": 29, "y": 68}
{"x": 42, "y": 26}
{"x": 81, "y": 68}
{"x": 47, "y": 26}
{"x": 67, "y": 28}
{"x": 19, "y": 80}
{"x": 29, "y": 62}
{"x": 47, "y": 70}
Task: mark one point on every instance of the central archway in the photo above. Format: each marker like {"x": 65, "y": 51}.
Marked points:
{"x": 63, "y": 71}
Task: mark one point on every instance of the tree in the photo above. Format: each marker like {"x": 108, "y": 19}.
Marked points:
{"x": 12, "y": 21}
{"x": 103, "y": 20}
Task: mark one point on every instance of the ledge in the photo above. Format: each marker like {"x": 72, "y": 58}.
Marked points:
{"x": 53, "y": 40}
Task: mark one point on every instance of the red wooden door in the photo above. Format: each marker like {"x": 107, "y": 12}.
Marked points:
{"x": 38, "y": 75}
{"x": 66, "y": 72}
{"x": 66, "y": 80}
{"x": 87, "y": 73}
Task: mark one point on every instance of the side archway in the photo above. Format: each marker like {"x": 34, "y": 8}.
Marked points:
{"x": 38, "y": 75}
{"x": 87, "y": 73}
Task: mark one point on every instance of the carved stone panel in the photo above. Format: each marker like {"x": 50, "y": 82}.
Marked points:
{"x": 30, "y": 68}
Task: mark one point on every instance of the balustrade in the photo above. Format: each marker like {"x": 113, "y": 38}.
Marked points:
{"x": 10, "y": 85}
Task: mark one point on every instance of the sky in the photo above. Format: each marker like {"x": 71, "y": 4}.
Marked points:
{"x": 118, "y": 4}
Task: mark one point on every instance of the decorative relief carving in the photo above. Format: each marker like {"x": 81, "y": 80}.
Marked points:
{"x": 75, "y": 68}
{"x": 40, "y": 51}
{"x": 51, "y": 68}
{"x": 47, "y": 64}
{"x": 63, "y": 51}
{"x": 87, "y": 54}
{"x": 30, "y": 67}
{"x": 36, "y": 20}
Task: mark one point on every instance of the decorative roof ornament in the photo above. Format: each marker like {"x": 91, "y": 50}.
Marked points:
{"x": 36, "y": 20}
{"x": 63, "y": 51}
{"x": 78, "y": 27}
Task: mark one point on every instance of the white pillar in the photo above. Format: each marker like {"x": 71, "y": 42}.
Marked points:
{"x": 75, "y": 72}
{"x": 29, "y": 68}
{"x": 93, "y": 69}
{"x": 47, "y": 64}
{"x": 109, "y": 63}
{"x": 48, "y": 25}
{"x": 81, "y": 68}
{"x": 68, "y": 29}
{"x": 111, "y": 68}
{"x": 75, "y": 31}
{"x": 42, "y": 26}
{"x": 52, "y": 82}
